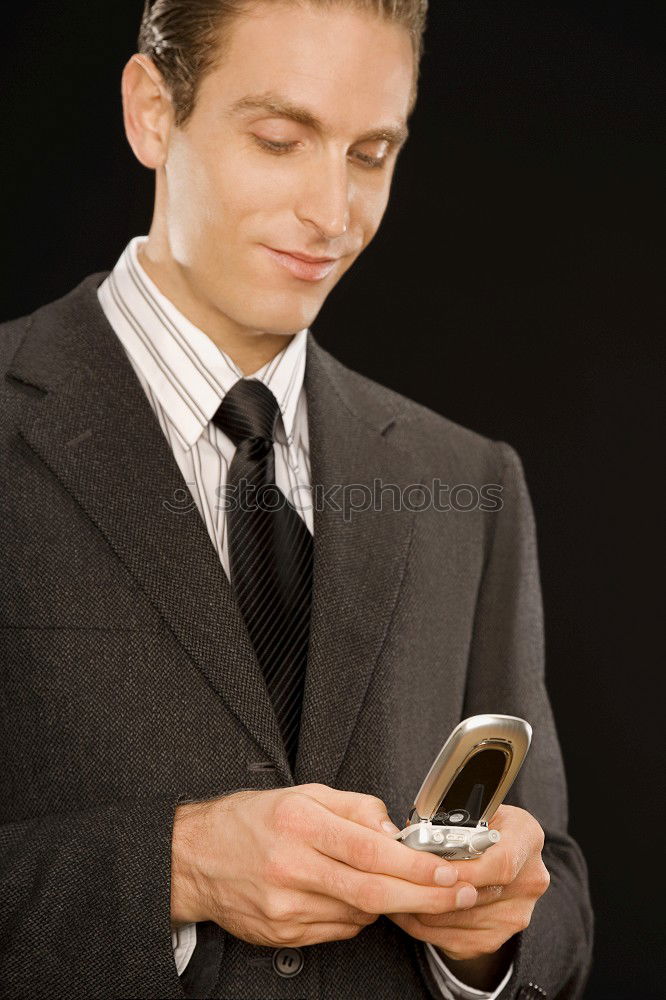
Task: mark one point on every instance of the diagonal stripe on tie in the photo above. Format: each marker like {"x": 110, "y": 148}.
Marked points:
{"x": 270, "y": 552}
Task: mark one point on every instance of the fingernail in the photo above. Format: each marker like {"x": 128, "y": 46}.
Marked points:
{"x": 466, "y": 897}
{"x": 390, "y": 827}
{"x": 446, "y": 876}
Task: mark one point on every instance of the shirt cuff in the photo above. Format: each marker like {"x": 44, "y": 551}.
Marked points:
{"x": 183, "y": 942}
{"x": 451, "y": 987}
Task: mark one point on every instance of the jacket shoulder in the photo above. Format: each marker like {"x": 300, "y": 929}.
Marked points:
{"x": 65, "y": 310}
{"x": 418, "y": 428}
{"x": 11, "y": 335}
{"x": 13, "y": 331}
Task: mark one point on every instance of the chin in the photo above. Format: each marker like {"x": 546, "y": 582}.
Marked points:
{"x": 281, "y": 318}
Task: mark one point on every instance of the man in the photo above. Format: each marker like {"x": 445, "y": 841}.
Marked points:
{"x": 211, "y": 709}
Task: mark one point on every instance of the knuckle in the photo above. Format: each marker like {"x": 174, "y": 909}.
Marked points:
{"x": 442, "y": 901}
{"x": 417, "y": 929}
{"x": 277, "y": 870}
{"x": 460, "y": 950}
{"x": 457, "y": 954}
{"x": 422, "y": 867}
{"x": 353, "y": 929}
{"x": 286, "y": 934}
{"x": 363, "y": 918}
{"x": 540, "y": 835}
{"x": 363, "y": 853}
{"x": 490, "y": 893}
{"x": 493, "y": 943}
{"x": 288, "y": 813}
{"x": 277, "y": 909}
{"x": 315, "y": 787}
{"x": 480, "y": 944}
{"x": 539, "y": 882}
{"x": 335, "y": 883}
{"x": 370, "y": 897}
{"x": 434, "y": 904}
{"x": 521, "y": 920}
{"x": 469, "y": 954}
{"x": 503, "y": 812}
{"x": 544, "y": 879}
{"x": 347, "y": 931}
{"x": 507, "y": 869}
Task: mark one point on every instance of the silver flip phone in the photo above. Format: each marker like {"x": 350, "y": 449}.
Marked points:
{"x": 468, "y": 780}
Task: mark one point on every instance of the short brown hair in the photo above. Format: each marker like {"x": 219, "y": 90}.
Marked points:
{"x": 185, "y": 37}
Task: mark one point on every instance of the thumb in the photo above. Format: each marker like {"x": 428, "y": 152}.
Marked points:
{"x": 366, "y": 810}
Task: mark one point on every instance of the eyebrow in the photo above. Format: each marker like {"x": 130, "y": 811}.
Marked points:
{"x": 274, "y": 105}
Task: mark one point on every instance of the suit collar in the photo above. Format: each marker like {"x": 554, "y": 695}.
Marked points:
{"x": 94, "y": 428}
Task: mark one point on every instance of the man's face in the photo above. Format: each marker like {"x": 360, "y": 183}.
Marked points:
{"x": 244, "y": 179}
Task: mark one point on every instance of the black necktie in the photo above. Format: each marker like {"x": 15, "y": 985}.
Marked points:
{"x": 270, "y": 552}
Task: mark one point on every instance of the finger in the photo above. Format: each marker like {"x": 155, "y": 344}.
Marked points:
{"x": 368, "y": 810}
{"x": 322, "y": 932}
{"x": 458, "y": 944}
{"x": 317, "y": 873}
{"x": 357, "y": 846}
{"x": 484, "y": 897}
{"x": 522, "y": 839}
{"x": 314, "y": 907}
{"x": 479, "y": 916}
{"x": 531, "y": 881}
{"x": 376, "y": 893}
{"x": 368, "y": 851}
{"x": 500, "y": 864}
{"x": 491, "y": 894}
{"x": 507, "y": 916}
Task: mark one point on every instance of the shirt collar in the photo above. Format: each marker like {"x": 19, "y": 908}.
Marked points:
{"x": 184, "y": 369}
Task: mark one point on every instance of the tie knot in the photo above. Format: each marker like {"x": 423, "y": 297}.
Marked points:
{"x": 249, "y": 410}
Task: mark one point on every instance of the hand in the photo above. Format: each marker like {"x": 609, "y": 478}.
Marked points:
{"x": 298, "y": 866}
{"x": 509, "y": 878}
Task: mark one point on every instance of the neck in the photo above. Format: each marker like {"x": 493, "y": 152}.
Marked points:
{"x": 249, "y": 349}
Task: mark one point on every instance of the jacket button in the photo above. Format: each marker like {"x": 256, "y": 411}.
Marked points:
{"x": 288, "y": 962}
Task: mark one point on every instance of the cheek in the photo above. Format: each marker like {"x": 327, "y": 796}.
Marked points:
{"x": 368, "y": 204}
{"x": 210, "y": 192}
{"x": 186, "y": 176}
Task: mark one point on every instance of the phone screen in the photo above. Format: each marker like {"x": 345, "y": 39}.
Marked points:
{"x": 474, "y": 786}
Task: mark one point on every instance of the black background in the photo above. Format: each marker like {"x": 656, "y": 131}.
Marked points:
{"x": 513, "y": 287}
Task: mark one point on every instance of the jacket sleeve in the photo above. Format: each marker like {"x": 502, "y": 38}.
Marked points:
{"x": 86, "y": 903}
{"x": 506, "y": 675}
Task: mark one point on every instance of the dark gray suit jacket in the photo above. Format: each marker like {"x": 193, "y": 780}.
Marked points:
{"x": 129, "y": 682}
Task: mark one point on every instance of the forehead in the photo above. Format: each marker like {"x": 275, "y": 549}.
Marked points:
{"x": 347, "y": 66}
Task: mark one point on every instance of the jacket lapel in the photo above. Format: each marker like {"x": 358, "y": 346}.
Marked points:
{"x": 97, "y": 433}
{"x": 359, "y": 560}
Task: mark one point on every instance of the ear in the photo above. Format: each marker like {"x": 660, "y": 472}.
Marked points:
{"x": 147, "y": 111}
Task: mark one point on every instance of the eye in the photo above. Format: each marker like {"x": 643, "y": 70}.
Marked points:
{"x": 279, "y": 148}
{"x": 374, "y": 162}
{"x": 272, "y": 146}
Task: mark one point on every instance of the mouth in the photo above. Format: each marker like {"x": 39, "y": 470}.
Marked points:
{"x": 302, "y": 265}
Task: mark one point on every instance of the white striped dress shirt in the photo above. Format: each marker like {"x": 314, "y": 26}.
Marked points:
{"x": 185, "y": 377}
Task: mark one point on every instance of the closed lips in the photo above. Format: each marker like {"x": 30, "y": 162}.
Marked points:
{"x": 307, "y": 258}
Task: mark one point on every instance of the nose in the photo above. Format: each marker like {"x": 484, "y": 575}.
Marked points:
{"x": 325, "y": 196}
